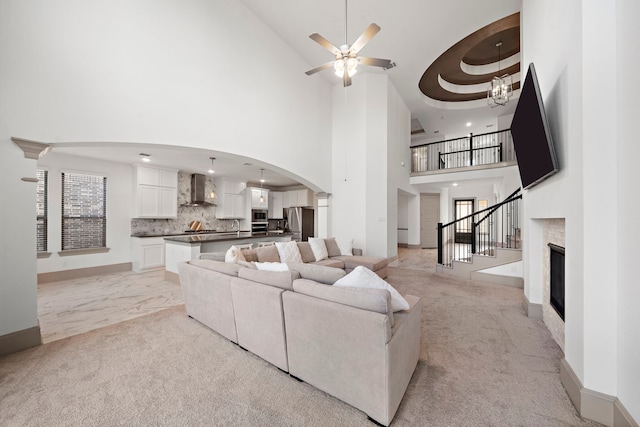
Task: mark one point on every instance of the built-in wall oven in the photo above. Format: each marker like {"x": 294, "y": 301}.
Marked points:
{"x": 259, "y": 222}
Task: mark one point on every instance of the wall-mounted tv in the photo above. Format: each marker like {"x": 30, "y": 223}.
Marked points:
{"x": 532, "y": 141}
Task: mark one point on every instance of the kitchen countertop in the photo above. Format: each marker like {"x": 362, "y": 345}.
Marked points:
{"x": 220, "y": 237}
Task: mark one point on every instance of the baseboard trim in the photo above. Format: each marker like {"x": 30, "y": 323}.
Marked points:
{"x": 593, "y": 405}
{"x": 409, "y": 246}
{"x": 20, "y": 340}
{"x": 55, "y": 276}
{"x": 172, "y": 277}
{"x": 621, "y": 417}
{"x": 532, "y": 310}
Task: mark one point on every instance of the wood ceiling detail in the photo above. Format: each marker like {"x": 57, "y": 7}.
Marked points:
{"x": 478, "y": 48}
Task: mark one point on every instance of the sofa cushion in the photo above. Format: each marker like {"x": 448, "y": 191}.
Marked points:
{"x": 362, "y": 277}
{"x": 318, "y": 273}
{"x": 371, "y": 262}
{"x": 272, "y": 266}
{"x": 234, "y": 254}
{"x": 250, "y": 255}
{"x": 335, "y": 263}
{"x": 378, "y": 300}
{"x": 267, "y": 254}
{"x": 306, "y": 252}
{"x": 230, "y": 269}
{"x": 346, "y": 246}
{"x": 278, "y": 279}
{"x": 247, "y": 264}
{"x": 319, "y": 248}
{"x": 288, "y": 251}
{"x": 332, "y": 247}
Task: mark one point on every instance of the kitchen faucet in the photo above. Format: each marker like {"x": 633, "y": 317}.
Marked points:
{"x": 236, "y": 222}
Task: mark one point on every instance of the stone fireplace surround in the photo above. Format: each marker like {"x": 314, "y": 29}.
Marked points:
{"x": 553, "y": 231}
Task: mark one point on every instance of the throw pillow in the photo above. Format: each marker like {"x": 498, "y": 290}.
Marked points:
{"x": 332, "y": 247}
{"x": 288, "y": 251}
{"x": 346, "y": 246}
{"x": 319, "y": 248}
{"x": 234, "y": 254}
{"x": 272, "y": 266}
{"x": 362, "y": 277}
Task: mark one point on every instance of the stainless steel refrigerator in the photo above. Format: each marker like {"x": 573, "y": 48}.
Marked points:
{"x": 301, "y": 223}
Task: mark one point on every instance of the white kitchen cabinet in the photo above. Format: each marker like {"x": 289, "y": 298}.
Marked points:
{"x": 155, "y": 192}
{"x": 229, "y": 186}
{"x": 294, "y": 198}
{"x": 276, "y": 204}
{"x": 256, "y": 193}
{"x": 230, "y": 206}
{"x": 147, "y": 253}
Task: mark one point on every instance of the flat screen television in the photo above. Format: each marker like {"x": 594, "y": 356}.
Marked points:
{"x": 532, "y": 141}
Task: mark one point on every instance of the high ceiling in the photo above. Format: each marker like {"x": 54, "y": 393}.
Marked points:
{"x": 414, "y": 35}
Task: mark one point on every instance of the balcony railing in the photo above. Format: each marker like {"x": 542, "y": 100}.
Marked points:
{"x": 473, "y": 150}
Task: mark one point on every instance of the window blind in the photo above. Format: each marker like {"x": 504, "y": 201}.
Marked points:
{"x": 41, "y": 210}
{"x": 84, "y": 208}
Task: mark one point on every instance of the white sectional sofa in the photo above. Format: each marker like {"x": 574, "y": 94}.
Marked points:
{"x": 345, "y": 341}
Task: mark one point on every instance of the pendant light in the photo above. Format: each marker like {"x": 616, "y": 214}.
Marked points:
{"x": 261, "y": 181}
{"x": 500, "y": 88}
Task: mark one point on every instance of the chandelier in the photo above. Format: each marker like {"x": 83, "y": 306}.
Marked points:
{"x": 500, "y": 88}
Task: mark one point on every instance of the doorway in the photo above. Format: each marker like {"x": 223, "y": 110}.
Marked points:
{"x": 429, "y": 218}
{"x": 461, "y": 209}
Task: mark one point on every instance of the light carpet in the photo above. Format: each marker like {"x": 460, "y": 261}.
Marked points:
{"x": 483, "y": 363}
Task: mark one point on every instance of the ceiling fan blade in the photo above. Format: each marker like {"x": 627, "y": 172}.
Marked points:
{"x": 376, "y": 62}
{"x": 324, "y": 43}
{"x": 364, "y": 38}
{"x": 346, "y": 78}
{"x": 320, "y": 68}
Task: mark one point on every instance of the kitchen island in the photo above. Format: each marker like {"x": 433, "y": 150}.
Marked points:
{"x": 187, "y": 247}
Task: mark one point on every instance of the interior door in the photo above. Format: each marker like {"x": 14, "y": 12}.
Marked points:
{"x": 429, "y": 218}
{"x": 462, "y": 208}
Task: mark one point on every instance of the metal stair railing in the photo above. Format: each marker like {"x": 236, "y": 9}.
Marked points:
{"x": 481, "y": 232}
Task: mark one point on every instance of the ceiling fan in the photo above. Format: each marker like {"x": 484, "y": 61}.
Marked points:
{"x": 347, "y": 59}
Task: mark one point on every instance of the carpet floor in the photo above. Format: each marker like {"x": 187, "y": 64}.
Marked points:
{"x": 482, "y": 363}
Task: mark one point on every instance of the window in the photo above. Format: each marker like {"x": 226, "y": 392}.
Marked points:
{"x": 84, "y": 209}
{"x": 41, "y": 210}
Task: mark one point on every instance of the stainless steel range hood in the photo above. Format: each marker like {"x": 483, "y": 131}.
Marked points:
{"x": 198, "y": 192}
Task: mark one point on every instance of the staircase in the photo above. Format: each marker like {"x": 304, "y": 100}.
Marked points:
{"x": 474, "y": 246}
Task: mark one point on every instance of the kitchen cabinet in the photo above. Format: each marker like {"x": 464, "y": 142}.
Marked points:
{"x": 230, "y": 206}
{"x": 295, "y": 198}
{"x": 155, "y": 192}
{"x": 230, "y": 201}
{"x": 276, "y": 204}
{"x": 147, "y": 253}
{"x": 256, "y": 193}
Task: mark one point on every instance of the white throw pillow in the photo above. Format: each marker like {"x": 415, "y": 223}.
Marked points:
{"x": 362, "y": 277}
{"x": 272, "y": 266}
{"x": 234, "y": 254}
{"x": 319, "y": 248}
{"x": 346, "y": 246}
{"x": 289, "y": 252}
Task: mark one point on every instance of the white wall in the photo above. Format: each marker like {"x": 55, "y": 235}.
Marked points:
{"x": 18, "y": 289}
{"x": 628, "y": 315}
{"x": 119, "y": 196}
{"x": 371, "y": 136}
{"x": 146, "y": 71}
{"x": 575, "y": 47}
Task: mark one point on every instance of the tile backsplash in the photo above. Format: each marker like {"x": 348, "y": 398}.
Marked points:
{"x": 206, "y": 215}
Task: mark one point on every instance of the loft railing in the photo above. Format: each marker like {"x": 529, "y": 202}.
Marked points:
{"x": 481, "y": 232}
{"x": 472, "y": 150}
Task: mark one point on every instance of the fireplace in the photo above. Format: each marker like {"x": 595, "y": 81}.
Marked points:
{"x": 556, "y": 278}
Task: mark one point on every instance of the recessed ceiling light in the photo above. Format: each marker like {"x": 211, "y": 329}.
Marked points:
{"x": 455, "y": 184}
{"x": 248, "y": 164}
{"x": 490, "y": 125}
{"x": 468, "y": 124}
{"x": 436, "y": 131}
{"x": 145, "y": 157}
